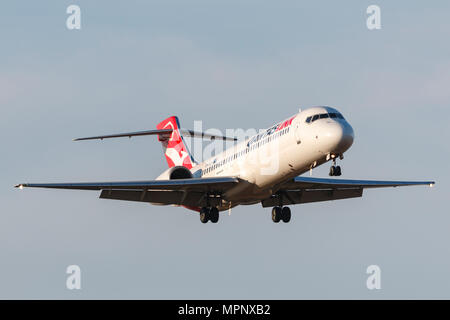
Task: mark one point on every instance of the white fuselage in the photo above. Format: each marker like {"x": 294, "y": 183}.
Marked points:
{"x": 279, "y": 153}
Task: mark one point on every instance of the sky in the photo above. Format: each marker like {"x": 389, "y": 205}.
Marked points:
{"x": 231, "y": 64}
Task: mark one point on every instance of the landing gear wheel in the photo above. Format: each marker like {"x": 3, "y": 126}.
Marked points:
{"x": 276, "y": 214}
{"x": 335, "y": 171}
{"x": 204, "y": 215}
{"x": 286, "y": 214}
{"x": 332, "y": 171}
{"x": 214, "y": 215}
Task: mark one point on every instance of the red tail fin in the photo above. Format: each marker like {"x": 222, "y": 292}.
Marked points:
{"x": 174, "y": 146}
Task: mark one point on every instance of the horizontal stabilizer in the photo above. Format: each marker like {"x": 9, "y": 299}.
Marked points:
{"x": 162, "y": 132}
{"x": 128, "y": 134}
{"x": 195, "y": 134}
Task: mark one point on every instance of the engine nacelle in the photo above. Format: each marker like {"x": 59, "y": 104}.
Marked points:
{"x": 177, "y": 172}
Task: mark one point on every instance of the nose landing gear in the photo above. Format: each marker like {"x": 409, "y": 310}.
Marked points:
{"x": 335, "y": 171}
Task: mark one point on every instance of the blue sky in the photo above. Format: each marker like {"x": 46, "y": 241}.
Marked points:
{"x": 231, "y": 64}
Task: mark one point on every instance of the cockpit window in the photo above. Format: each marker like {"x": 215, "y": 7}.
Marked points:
{"x": 332, "y": 115}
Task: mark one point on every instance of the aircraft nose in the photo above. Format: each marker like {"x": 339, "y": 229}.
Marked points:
{"x": 340, "y": 137}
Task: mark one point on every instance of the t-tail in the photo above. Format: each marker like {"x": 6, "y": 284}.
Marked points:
{"x": 170, "y": 134}
{"x": 174, "y": 146}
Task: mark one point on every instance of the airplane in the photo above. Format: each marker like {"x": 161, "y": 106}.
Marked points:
{"x": 265, "y": 168}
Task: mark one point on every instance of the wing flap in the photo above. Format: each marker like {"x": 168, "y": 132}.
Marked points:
{"x": 306, "y": 196}
{"x": 184, "y": 198}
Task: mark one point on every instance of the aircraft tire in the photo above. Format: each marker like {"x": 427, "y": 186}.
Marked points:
{"x": 286, "y": 214}
{"x": 214, "y": 215}
{"x": 276, "y": 214}
{"x": 332, "y": 171}
{"x": 204, "y": 215}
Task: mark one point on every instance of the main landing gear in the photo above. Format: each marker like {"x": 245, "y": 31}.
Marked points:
{"x": 335, "y": 171}
{"x": 281, "y": 213}
{"x": 209, "y": 214}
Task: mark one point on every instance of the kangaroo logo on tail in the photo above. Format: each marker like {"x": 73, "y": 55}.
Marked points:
{"x": 174, "y": 147}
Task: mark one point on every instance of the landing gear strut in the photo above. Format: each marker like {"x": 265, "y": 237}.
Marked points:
{"x": 209, "y": 214}
{"x": 281, "y": 213}
{"x": 335, "y": 170}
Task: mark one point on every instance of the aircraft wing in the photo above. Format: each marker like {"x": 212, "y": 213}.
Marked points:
{"x": 188, "y": 192}
{"x": 307, "y": 189}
